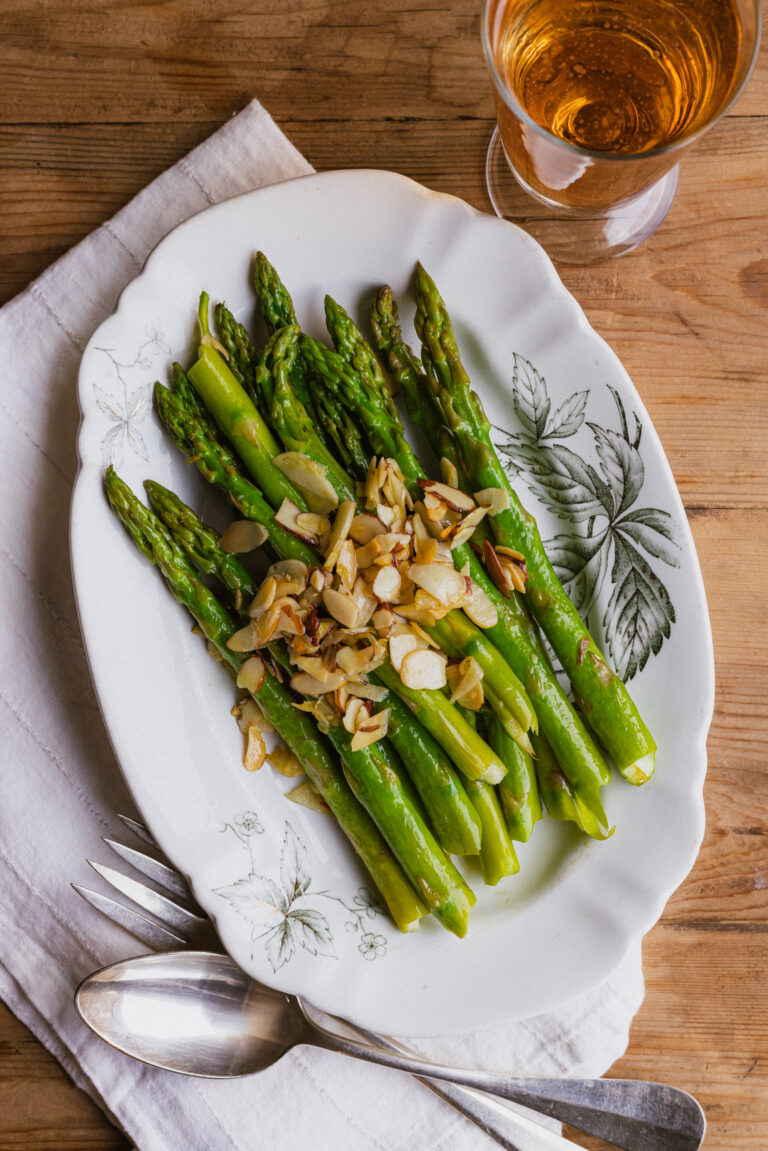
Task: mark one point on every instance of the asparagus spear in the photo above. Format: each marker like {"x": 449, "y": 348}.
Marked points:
{"x": 278, "y": 310}
{"x": 452, "y": 817}
{"x": 603, "y": 698}
{"x": 199, "y": 442}
{"x": 242, "y": 356}
{"x": 379, "y": 788}
{"x": 238, "y": 417}
{"x": 288, "y": 415}
{"x": 518, "y": 790}
{"x": 296, "y": 728}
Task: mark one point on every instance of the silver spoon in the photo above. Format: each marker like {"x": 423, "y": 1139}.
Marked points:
{"x": 197, "y": 1013}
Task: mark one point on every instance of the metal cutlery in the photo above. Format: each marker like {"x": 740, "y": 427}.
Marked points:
{"x": 248, "y": 1027}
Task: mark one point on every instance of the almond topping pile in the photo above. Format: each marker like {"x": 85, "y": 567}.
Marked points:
{"x": 387, "y": 575}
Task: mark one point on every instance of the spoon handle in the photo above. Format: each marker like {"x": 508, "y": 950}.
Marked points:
{"x": 631, "y": 1114}
{"x": 508, "y": 1128}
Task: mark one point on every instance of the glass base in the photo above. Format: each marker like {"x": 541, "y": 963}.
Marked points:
{"x": 570, "y": 238}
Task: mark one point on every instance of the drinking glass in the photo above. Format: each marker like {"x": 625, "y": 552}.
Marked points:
{"x": 596, "y": 101}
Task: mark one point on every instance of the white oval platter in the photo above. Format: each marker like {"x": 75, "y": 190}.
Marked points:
{"x": 290, "y": 902}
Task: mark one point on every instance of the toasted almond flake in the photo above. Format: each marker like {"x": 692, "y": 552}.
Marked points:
{"x": 426, "y": 638}
{"x": 495, "y": 499}
{"x": 454, "y": 498}
{"x": 511, "y": 553}
{"x": 366, "y": 555}
{"x": 306, "y": 684}
{"x": 373, "y": 691}
{"x": 341, "y": 606}
{"x": 248, "y": 714}
{"x": 444, "y": 583}
{"x": 242, "y": 640}
{"x": 284, "y": 761}
{"x": 466, "y": 529}
{"x": 400, "y": 646}
{"x": 289, "y": 569}
{"x": 318, "y": 579}
{"x": 514, "y": 572}
{"x": 316, "y": 525}
{"x": 386, "y": 587}
{"x": 416, "y": 614}
{"x": 310, "y": 478}
{"x": 426, "y": 550}
{"x": 371, "y": 731}
{"x": 479, "y": 606}
{"x": 255, "y": 750}
{"x": 424, "y": 668}
{"x": 354, "y": 661}
{"x": 307, "y": 795}
{"x": 464, "y": 678}
{"x": 313, "y": 665}
{"x": 340, "y": 531}
{"x": 494, "y": 568}
{"x": 383, "y": 620}
{"x": 264, "y": 597}
{"x": 243, "y": 536}
{"x": 287, "y": 516}
{"x": 346, "y": 565}
{"x": 252, "y": 674}
{"x": 372, "y": 483}
{"x": 430, "y": 527}
{"x": 448, "y": 472}
{"x": 385, "y": 514}
{"x": 355, "y": 714}
{"x": 341, "y": 696}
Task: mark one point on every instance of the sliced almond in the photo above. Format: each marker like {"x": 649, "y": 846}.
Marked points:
{"x": 315, "y": 524}
{"x": 386, "y": 514}
{"x": 424, "y": 668}
{"x": 306, "y": 684}
{"x": 290, "y": 622}
{"x": 456, "y": 500}
{"x": 423, "y": 521}
{"x": 310, "y": 478}
{"x": 341, "y": 606}
{"x": 383, "y": 620}
{"x": 495, "y": 499}
{"x": 426, "y": 550}
{"x": 416, "y": 614}
{"x": 287, "y": 516}
{"x": 386, "y": 587}
{"x": 307, "y": 795}
{"x": 243, "y": 536}
{"x": 284, "y": 762}
{"x": 446, "y": 584}
{"x": 255, "y": 750}
{"x": 340, "y": 531}
{"x": 494, "y": 568}
{"x": 242, "y": 640}
{"x": 514, "y": 573}
{"x": 426, "y": 638}
{"x": 448, "y": 472}
{"x": 479, "y": 606}
{"x": 346, "y": 565}
{"x": 466, "y": 529}
{"x": 464, "y": 679}
{"x": 372, "y": 730}
{"x": 312, "y": 665}
{"x": 373, "y": 691}
{"x": 252, "y": 674}
{"x": 318, "y": 579}
{"x": 513, "y": 555}
{"x": 355, "y": 714}
{"x": 354, "y": 661}
{"x": 248, "y": 714}
{"x": 264, "y": 597}
{"x": 400, "y": 646}
{"x": 366, "y": 555}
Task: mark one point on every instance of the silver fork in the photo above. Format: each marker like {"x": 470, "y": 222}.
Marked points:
{"x": 179, "y": 923}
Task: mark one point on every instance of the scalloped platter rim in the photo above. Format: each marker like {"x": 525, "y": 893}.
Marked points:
{"x": 288, "y": 899}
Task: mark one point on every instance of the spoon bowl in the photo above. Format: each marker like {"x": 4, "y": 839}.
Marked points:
{"x": 197, "y": 1013}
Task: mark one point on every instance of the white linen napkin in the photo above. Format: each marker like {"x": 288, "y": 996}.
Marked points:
{"x": 61, "y": 786}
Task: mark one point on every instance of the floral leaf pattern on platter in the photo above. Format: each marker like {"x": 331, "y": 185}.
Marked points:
{"x": 285, "y": 913}
{"x": 127, "y": 406}
{"x": 605, "y": 557}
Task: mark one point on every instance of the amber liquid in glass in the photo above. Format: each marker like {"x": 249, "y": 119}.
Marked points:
{"x": 618, "y": 76}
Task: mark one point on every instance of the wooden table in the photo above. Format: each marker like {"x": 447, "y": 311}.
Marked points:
{"x": 98, "y": 98}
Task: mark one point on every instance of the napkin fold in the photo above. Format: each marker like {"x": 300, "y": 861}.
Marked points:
{"x": 62, "y": 788}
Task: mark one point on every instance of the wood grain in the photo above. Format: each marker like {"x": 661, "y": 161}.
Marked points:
{"x": 99, "y": 98}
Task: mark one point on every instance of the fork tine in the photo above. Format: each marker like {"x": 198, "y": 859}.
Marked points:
{"x": 157, "y": 937}
{"x": 154, "y": 869}
{"x": 164, "y": 908}
{"x": 137, "y": 828}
